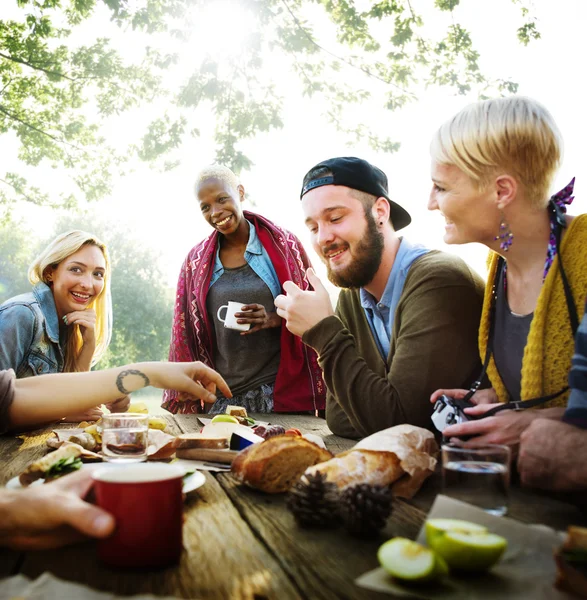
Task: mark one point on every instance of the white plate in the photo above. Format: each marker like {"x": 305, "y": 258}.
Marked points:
{"x": 190, "y": 483}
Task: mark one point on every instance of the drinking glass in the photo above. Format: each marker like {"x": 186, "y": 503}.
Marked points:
{"x": 125, "y": 437}
{"x": 479, "y": 476}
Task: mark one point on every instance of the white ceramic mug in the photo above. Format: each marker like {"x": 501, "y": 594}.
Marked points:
{"x": 229, "y": 319}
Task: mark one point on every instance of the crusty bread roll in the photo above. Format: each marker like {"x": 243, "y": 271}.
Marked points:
{"x": 402, "y": 456}
{"x": 360, "y": 466}
{"x": 198, "y": 440}
{"x": 274, "y": 465}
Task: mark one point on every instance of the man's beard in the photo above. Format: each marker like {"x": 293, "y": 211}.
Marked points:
{"x": 366, "y": 259}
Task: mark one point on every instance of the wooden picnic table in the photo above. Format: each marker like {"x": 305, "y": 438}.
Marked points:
{"x": 241, "y": 543}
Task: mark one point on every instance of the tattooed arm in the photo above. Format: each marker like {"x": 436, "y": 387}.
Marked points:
{"x": 48, "y": 397}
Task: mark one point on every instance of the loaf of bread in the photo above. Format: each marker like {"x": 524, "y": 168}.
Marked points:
{"x": 401, "y": 456}
{"x": 276, "y": 464}
{"x": 360, "y": 466}
{"x": 198, "y": 440}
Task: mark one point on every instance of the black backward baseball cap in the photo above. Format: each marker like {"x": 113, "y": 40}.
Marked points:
{"x": 358, "y": 174}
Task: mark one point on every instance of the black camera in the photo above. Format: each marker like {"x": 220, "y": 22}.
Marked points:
{"x": 449, "y": 411}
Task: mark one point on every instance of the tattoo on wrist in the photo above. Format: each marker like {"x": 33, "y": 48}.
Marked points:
{"x": 124, "y": 374}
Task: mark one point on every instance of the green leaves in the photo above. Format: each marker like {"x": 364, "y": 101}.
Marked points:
{"x": 57, "y": 96}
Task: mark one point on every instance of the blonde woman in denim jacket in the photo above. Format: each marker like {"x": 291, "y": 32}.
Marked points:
{"x": 64, "y": 324}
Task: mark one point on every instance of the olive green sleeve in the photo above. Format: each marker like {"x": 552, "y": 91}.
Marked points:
{"x": 433, "y": 345}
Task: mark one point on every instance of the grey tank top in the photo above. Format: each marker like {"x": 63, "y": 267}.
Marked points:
{"x": 510, "y": 337}
{"x": 245, "y": 361}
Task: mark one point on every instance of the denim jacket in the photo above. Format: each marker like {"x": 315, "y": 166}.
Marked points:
{"x": 258, "y": 260}
{"x": 29, "y": 334}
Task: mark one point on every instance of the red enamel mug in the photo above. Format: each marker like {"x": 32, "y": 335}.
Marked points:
{"x": 146, "y": 501}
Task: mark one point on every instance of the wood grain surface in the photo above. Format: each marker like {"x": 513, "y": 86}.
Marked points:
{"x": 243, "y": 544}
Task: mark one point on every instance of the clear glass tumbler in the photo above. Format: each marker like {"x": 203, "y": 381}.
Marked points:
{"x": 125, "y": 437}
{"x": 479, "y": 476}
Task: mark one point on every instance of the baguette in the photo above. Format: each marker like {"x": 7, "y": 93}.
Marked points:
{"x": 198, "y": 440}
{"x": 276, "y": 464}
{"x": 402, "y": 456}
{"x": 360, "y": 466}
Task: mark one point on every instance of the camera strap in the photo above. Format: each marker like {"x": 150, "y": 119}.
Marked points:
{"x": 561, "y": 223}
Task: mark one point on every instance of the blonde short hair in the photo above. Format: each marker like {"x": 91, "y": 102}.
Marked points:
{"x": 58, "y": 250}
{"x": 219, "y": 172}
{"x": 515, "y": 134}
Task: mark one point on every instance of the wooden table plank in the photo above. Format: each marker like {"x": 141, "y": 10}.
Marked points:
{"x": 323, "y": 561}
{"x": 222, "y": 559}
{"x": 241, "y": 543}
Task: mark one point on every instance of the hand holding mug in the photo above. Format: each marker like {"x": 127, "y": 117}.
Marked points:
{"x": 257, "y": 317}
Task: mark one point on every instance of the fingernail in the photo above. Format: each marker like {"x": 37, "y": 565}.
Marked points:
{"x": 102, "y": 523}
{"x": 64, "y": 317}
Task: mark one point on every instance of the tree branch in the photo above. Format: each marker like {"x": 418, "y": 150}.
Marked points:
{"x": 18, "y": 191}
{"x": 50, "y": 136}
{"x": 344, "y": 60}
{"x": 35, "y": 67}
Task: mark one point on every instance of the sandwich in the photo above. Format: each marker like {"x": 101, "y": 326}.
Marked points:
{"x": 571, "y": 562}
{"x": 64, "y": 460}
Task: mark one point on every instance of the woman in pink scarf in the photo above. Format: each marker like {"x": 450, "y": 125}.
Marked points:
{"x": 246, "y": 260}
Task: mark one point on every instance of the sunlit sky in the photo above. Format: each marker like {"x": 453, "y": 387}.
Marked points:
{"x": 160, "y": 210}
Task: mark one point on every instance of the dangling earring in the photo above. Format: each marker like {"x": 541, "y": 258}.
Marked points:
{"x": 505, "y": 234}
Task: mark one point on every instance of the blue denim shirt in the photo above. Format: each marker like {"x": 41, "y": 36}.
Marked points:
{"x": 258, "y": 260}
{"x": 29, "y": 334}
{"x": 380, "y": 315}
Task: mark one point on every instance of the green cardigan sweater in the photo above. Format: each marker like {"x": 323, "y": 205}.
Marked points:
{"x": 433, "y": 345}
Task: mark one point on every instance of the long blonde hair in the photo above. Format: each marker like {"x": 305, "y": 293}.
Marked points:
{"x": 515, "y": 134}
{"x": 58, "y": 250}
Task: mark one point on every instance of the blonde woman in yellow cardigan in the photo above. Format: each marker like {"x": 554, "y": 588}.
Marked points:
{"x": 492, "y": 167}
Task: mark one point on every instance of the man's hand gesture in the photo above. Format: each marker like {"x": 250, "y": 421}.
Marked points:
{"x": 303, "y": 309}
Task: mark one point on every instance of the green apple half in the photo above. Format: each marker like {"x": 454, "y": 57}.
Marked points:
{"x": 410, "y": 561}
{"x": 224, "y": 419}
{"x": 464, "y": 546}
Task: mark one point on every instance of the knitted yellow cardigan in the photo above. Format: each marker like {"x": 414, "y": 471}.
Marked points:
{"x": 550, "y": 345}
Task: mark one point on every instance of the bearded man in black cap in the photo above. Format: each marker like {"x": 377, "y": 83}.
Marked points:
{"x": 406, "y": 321}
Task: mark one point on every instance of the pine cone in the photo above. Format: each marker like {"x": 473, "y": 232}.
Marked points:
{"x": 365, "y": 508}
{"x": 314, "y": 501}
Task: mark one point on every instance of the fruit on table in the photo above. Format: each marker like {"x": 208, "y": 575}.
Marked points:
{"x": 93, "y": 431}
{"x": 138, "y": 407}
{"x": 225, "y": 419}
{"x": 157, "y": 423}
{"x": 464, "y": 546}
{"x": 410, "y": 561}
